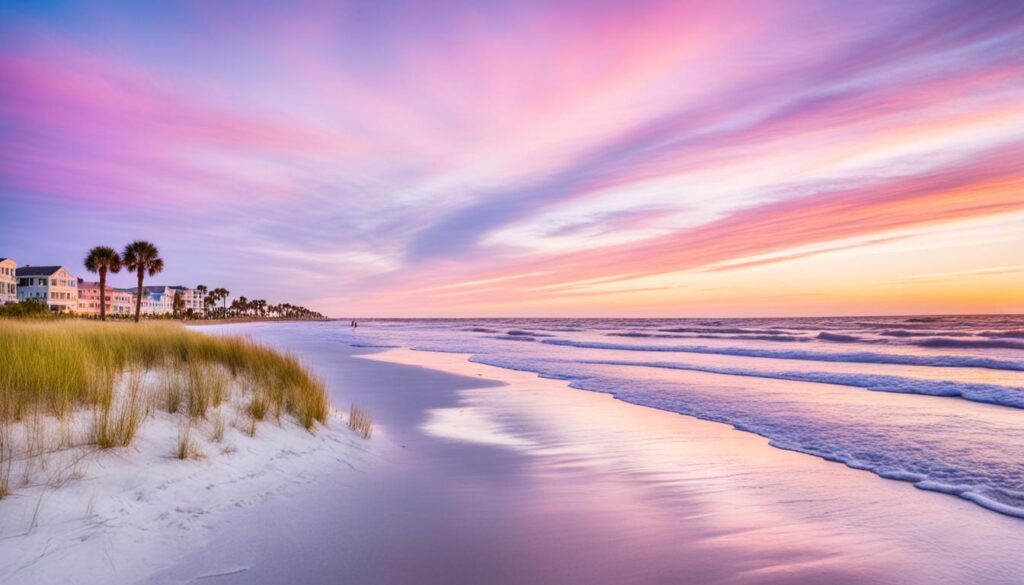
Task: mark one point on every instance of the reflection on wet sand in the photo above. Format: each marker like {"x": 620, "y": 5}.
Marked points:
{"x": 486, "y": 475}
{"x": 764, "y": 511}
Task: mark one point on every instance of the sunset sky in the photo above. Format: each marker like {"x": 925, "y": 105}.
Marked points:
{"x": 528, "y": 158}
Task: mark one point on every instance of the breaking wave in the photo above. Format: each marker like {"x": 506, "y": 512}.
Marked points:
{"x": 949, "y": 361}
{"x": 988, "y": 393}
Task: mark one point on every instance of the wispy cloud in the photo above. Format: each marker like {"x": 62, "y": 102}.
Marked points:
{"x": 936, "y": 276}
{"x": 405, "y": 154}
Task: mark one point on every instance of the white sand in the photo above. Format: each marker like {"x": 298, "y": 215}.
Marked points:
{"x": 119, "y": 515}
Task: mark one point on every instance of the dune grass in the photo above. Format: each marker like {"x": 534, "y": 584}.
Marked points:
{"x": 6, "y": 456}
{"x": 185, "y": 448}
{"x": 360, "y": 421}
{"x": 55, "y": 374}
{"x": 57, "y": 367}
{"x": 217, "y": 427}
{"x": 115, "y": 425}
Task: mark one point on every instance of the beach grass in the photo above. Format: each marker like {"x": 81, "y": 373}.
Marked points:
{"x": 57, "y": 367}
{"x": 185, "y": 448}
{"x": 71, "y": 387}
{"x": 6, "y": 457}
{"x": 217, "y": 427}
{"x": 360, "y": 421}
{"x": 115, "y": 425}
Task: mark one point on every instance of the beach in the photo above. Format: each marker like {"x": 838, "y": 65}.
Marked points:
{"x": 491, "y": 475}
{"x": 132, "y": 512}
{"x": 123, "y": 446}
{"x": 512, "y": 293}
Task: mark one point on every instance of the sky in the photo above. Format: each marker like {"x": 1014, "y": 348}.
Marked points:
{"x": 528, "y": 158}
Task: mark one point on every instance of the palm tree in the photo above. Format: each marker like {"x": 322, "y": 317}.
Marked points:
{"x": 211, "y": 299}
{"x": 103, "y": 259}
{"x": 221, "y": 294}
{"x": 202, "y": 292}
{"x": 142, "y": 257}
{"x": 178, "y": 304}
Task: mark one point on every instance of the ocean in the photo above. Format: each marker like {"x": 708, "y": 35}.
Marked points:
{"x": 935, "y": 401}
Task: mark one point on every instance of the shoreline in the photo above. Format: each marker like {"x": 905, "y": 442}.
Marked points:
{"x": 781, "y": 475}
{"x": 238, "y": 321}
{"x": 490, "y": 475}
{"x": 499, "y": 476}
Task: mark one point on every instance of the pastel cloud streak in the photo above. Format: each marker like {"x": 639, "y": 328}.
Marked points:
{"x": 462, "y": 158}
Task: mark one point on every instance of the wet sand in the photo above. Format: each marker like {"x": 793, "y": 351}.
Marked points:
{"x": 483, "y": 475}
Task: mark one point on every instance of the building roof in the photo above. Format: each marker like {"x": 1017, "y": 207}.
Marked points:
{"x": 162, "y": 288}
{"x": 6, "y": 259}
{"x": 37, "y": 270}
{"x": 91, "y": 284}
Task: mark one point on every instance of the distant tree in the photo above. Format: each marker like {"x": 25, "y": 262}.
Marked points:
{"x": 142, "y": 257}
{"x": 212, "y": 298}
{"x": 177, "y": 304}
{"x": 103, "y": 259}
{"x": 220, "y": 294}
{"x": 201, "y": 288}
{"x": 224, "y": 296}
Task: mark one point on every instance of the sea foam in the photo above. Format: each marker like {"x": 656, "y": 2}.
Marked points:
{"x": 950, "y": 361}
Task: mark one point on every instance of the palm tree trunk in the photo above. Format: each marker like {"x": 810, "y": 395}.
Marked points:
{"x": 103, "y": 293}
{"x": 138, "y": 297}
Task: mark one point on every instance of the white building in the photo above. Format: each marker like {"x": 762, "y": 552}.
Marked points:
{"x": 156, "y": 300}
{"x": 8, "y": 281}
{"x": 119, "y": 301}
{"x": 193, "y": 299}
{"x": 159, "y": 299}
{"x": 54, "y": 285}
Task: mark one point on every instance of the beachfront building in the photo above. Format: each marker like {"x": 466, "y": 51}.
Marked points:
{"x": 54, "y": 285}
{"x": 119, "y": 301}
{"x": 8, "y": 281}
{"x": 193, "y": 299}
{"x": 159, "y": 299}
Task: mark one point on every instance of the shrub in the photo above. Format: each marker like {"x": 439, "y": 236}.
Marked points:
{"x": 27, "y": 309}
